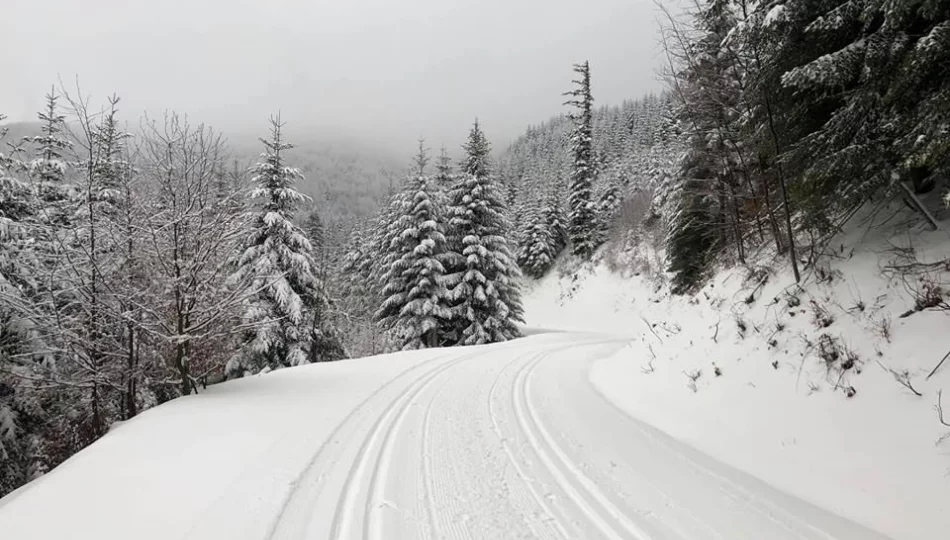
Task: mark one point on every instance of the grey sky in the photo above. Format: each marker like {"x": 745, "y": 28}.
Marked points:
{"x": 384, "y": 71}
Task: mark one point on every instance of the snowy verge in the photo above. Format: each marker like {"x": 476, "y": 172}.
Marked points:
{"x": 763, "y": 399}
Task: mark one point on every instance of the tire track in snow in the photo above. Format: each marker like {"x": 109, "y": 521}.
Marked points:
{"x": 604, "y": 515}
{"x": 345, "y": 519}
{"x": 288, "y": 522}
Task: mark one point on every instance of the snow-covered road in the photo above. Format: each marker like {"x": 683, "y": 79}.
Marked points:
{"x": 498, "y": 442}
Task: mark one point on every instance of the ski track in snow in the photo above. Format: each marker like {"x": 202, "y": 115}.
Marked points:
{"x": 595, "y": 505}
{"x": 498, "y": 442}
{"x": 538, "y": 498}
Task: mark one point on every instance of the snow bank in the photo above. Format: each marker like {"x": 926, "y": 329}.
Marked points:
{"x": 775, "y": 409}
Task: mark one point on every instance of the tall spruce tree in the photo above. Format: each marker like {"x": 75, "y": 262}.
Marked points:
{"x": 17, "y": 269}
{"x": 582, "y": 218}
{"x": 486, "y": 301}
{"x": 444, "y": 177}
{"x": 553, "y": 216}
{"x": 314, "y": 229}
{"x": 536, "y": 250}
{"x": 416, "y": 301}
{"x": 608, "y": 202}
{"x": 278, "y": 263}
{"x": 49, "y": 165}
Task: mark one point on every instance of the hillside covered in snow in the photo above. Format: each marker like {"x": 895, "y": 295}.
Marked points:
{"x": 828, "y": 390}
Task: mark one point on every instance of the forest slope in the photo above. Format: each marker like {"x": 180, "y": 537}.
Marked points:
{"x": 813, "y": 390}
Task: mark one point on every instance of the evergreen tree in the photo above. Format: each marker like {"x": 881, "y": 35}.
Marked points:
{"x": 17, "y": 274}
{"x": 49, "y": 165}
{"x": 690, "y": 245}
{"x": 278, "y": 263}
{"x": 553, "y": 217}
{"x": 313, "y": 228}
{"x": 416, "y": 301}
{"x": 486, "y": 301}
{"x": 326, "y": 342}
{"x": 582, "y": 220}
{"x": 607, "y": 205}
{"x": 864, "y": 98}
{"x": 536, "y": 252}
{"x": 16, "y": 198}
{"x": 444, "y": 177}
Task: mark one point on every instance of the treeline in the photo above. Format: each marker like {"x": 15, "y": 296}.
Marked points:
{"x": 623, "y": 152}
{"x": 781, "y": 121}
{"x": 137, "y": 269}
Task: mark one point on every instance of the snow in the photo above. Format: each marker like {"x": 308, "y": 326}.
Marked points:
{"x": 498, "y": 441}
{"x": 871, "y": 458}
{"x": 187, "y": 468}
{"x": 774, "y": 16}
{"x": 590, "y": 432}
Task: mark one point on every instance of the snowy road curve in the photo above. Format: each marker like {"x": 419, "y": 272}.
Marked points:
{"x": 506, "y": 441}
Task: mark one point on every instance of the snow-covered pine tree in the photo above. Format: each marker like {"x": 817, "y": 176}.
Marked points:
{"x": 326, "y": 340}
{"x": 360, "y": 285}
{"x": 608, "y": 202}
{"x": 553, "y": 217}
{"x": 536, "y": 251}
{"x": 277, "y": 262}
{"x": 313, "y": 228}
{"x": 115, "y": 202}
{"x": 582, "y": 220}
{"x": 83, "y": 314}
{"x": 132, "y": 276}
{"x": 486, "y": 301}
{"x": 316, "y": 232}
{"x": 444, "y": 177}
{"x": 416, "y": 301}
{"x": 707, "y": 193}
{"x": 49, "y": 166}
{"x": 17, "y": 274}
{"x": 878, "y": 72}
{"x": 16, "y": 198}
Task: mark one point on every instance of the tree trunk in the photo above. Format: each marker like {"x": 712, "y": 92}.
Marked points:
{"x": 130, "y": 390}
{"x": 782, "y": 184}
{"x": 773, "y": 222}
{"x": 736, "y": 222}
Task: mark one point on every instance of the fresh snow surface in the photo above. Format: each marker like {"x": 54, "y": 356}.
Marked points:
{"x": 493, "y": 442}
{"x": 775, "y": 411}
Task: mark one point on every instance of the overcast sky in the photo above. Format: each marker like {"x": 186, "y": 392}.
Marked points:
{"x": 384, "y": 71}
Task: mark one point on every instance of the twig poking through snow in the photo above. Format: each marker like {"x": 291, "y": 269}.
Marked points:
{"x": 650, "y": 326}
{"x": 938, "y": 365}
{"x": 648, "y": 369}
{"x": 939, "y": 407}
{"x": 903, "y": 378}
{"x": 693, "y": 376}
